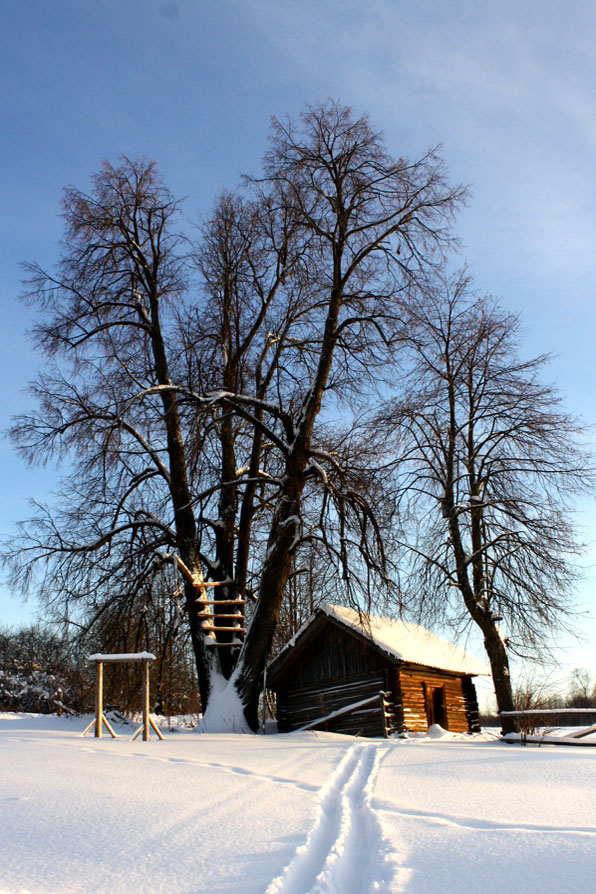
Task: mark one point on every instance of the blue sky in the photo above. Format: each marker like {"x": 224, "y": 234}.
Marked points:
{"x": 507, "y": 88}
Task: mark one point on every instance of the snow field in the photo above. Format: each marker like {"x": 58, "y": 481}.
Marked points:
{"x": 481, "y": 817}
{"x": 309, "y": 813}
{"x": 191, "y": 814}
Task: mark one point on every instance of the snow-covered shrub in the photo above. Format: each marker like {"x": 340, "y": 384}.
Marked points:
{"x": 37, "y": 672}
{"x": 37, "y": 692}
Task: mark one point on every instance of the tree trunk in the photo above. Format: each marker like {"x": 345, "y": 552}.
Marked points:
{"x": 276, "y": 569}
{"x": 225, "y": 535}
{"x": 499, "y": 665}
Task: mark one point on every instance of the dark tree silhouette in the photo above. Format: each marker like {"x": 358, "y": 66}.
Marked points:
{"x": 187, "y": 384}
{"x": 487, "y": 461}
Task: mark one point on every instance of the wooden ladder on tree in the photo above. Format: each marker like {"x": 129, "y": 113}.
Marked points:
{"x": 208, "y": 618}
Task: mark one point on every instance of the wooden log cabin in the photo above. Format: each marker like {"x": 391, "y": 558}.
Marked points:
{"x": 363, "y": 675}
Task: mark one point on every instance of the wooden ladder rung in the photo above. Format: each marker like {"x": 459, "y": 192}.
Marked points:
{"x": 211, "y": 615}
{"x": 220, "y": 601}
{"x": 211, "y": 628}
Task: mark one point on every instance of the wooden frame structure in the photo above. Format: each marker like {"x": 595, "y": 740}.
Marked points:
{"x": 100, "y": 719}
{"x": 574, "y": 738}
{"x": 233, "y": 626}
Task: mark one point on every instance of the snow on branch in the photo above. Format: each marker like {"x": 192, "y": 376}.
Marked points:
{"x": 122, "y": 656}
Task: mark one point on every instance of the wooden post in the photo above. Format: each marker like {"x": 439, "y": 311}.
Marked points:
{"x": 383, "y": 707}
{"x": 98, "y": 699}
{"x": 155, "y": 727}
{"x": 145, "y": 701}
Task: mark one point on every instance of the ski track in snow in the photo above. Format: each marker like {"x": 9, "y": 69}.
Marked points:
{"x": 225, "y": 768}
{"x": 481, "y": 825}
{"x": 345, "y": 852}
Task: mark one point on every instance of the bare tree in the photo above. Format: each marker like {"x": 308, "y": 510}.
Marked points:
{"x": 582, "y": 689}
{"x": 110, "y": 321}
{"x": 370, "y": 225}
{"x": 247, "y": 259}
{"x": 188, "y": 384}
{"x": 487, "y": 461}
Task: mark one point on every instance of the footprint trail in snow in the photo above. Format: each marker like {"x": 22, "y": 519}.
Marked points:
{"x": 345, "y": 850}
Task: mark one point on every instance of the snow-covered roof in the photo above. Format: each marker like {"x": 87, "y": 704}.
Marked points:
{"x": 404, "y": 641}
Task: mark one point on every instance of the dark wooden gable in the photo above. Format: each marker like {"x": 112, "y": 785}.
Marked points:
{"x": 325, "y": 652}
{"x": 330, "y": 667}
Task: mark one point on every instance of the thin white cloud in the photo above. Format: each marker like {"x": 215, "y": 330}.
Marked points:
{"x": 508, "y": 88}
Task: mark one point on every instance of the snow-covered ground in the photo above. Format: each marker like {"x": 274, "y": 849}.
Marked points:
{"x": 308, "y": 812}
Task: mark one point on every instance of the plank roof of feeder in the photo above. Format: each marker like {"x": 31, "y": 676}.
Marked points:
{"x": 400, "y": 640}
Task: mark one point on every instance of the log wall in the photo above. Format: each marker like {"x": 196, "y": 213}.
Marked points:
{"x": 472, "y": 712}
{"x": 456, "y": 705}
{"x": 299, "y": 706}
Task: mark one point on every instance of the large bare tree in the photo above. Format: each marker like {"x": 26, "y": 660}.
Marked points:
{"x": 109, "y": 323}
{"x": 487, "y": 462}
{"x": 371, "y": 224}
{"x": 188, "y": 384}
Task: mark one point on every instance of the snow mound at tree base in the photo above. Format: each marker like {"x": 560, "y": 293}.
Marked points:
{"x": 225, "y": 712}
